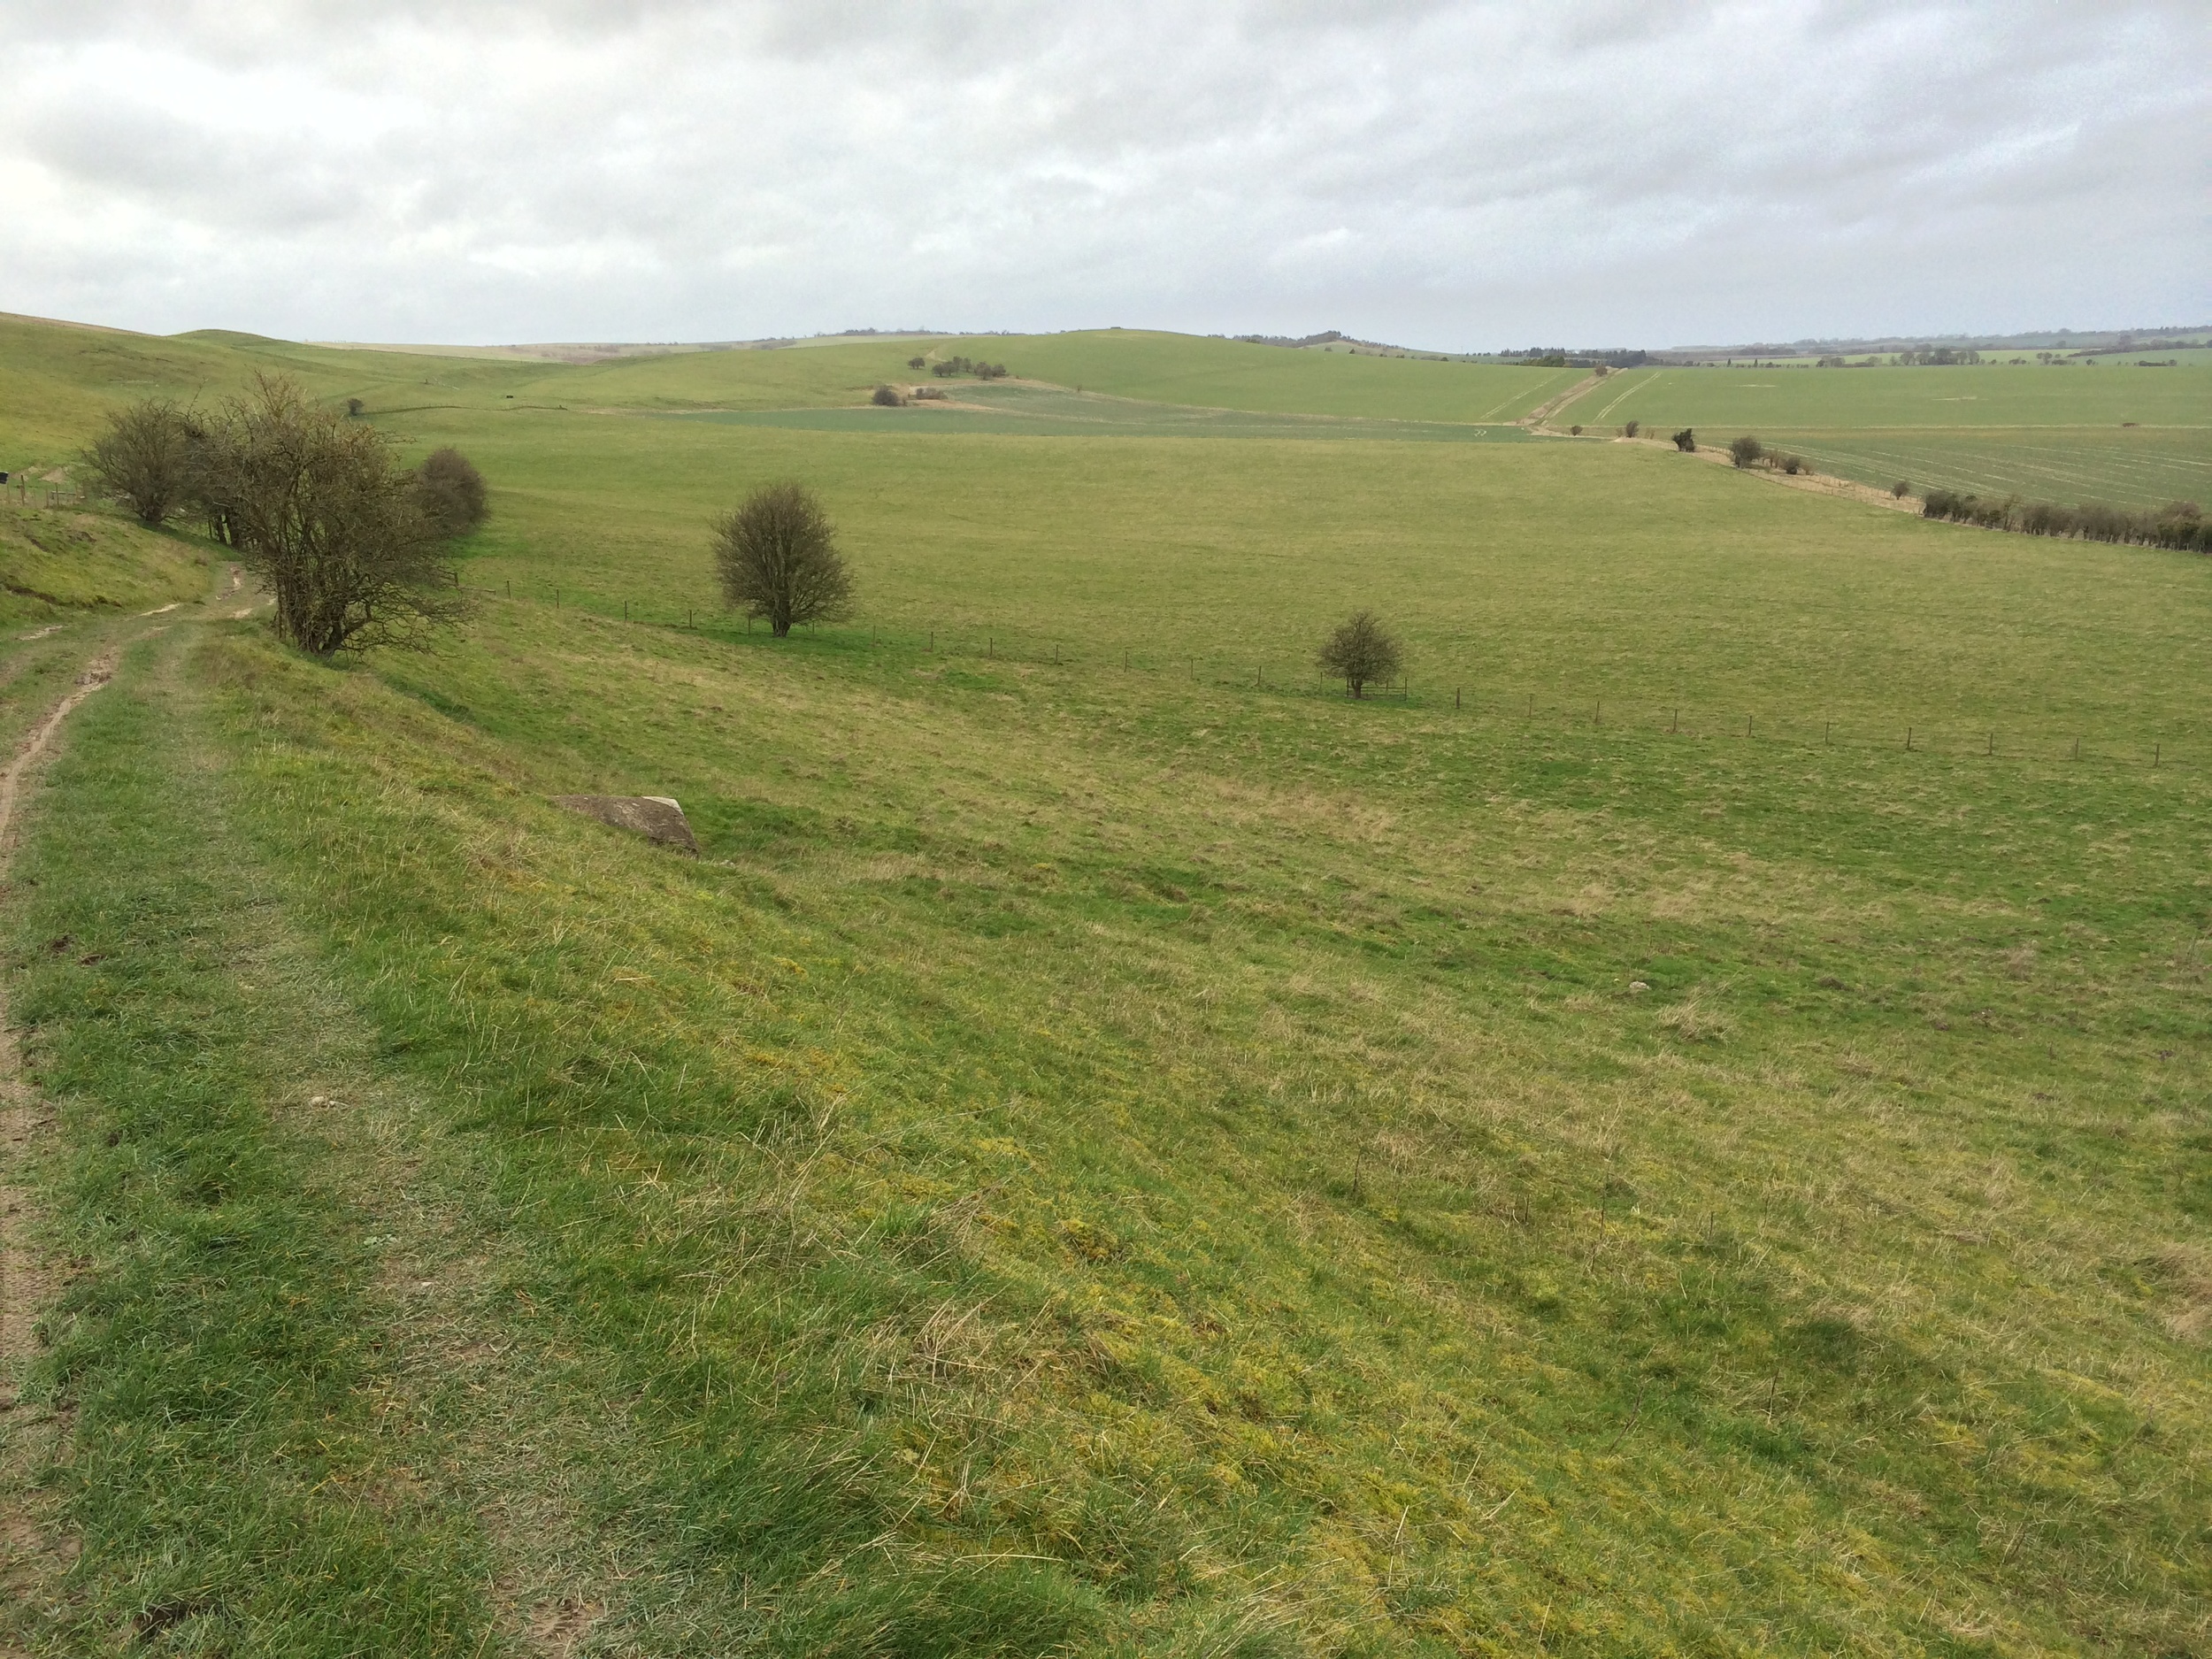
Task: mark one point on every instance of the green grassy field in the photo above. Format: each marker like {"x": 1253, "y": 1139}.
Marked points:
{"x": 58, "y": 561}
{"x": 61, "y": 377}
{"x": 2129, "y": 435}
{"x": 1126, "y": 1153}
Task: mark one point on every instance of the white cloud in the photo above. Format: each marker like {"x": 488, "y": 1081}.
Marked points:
{"x": 1450, "y": 174}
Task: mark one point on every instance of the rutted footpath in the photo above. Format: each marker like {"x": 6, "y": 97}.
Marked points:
{"x": 30, "y": 1435}
{"x": 259, "y": 1404}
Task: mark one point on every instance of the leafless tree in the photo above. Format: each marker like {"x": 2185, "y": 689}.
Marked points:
{"x": 145, "y": 458}
{"x": 1360, "y": 650}
{"x": 316, "y": 509}
{"x": 777, "y": 556}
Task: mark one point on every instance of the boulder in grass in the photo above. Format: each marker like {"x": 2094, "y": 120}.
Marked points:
{"x": 656, "y": 817}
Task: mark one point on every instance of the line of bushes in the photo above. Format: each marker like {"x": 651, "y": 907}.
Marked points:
{"x": 2180, "y": 524}
{"x": 1749, "y": 451}
{"x": 961, "y": 365}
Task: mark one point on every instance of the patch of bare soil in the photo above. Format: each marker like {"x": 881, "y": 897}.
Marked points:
{"x": 1535, "y": 419}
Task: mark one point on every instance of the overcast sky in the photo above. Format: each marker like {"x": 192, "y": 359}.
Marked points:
{"x": 1459, "y": 176}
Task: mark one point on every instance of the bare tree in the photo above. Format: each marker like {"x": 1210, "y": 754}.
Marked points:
{"x": 777, "y": 556}
{"x": 452, "y": 493}
{"x": 1360, "y": 650}
{"x": 145, "y": 458}
{"x": 316, "y": 509}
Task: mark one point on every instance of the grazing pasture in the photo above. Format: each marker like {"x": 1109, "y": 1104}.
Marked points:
{"x": 1686, "y": 1133}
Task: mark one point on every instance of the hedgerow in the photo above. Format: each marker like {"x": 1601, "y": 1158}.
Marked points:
{"x": 2180, "y": 524}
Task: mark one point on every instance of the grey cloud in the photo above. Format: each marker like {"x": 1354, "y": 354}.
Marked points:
{"x": 1449, "y": 172}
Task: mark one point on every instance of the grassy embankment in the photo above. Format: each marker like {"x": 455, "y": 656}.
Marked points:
{"x": 2134, "y": 437}
{"x": 57, "y": 563}
{"x": 1102, "y": 1155}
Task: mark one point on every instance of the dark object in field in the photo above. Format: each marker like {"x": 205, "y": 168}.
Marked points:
{"x": 1793, "y": 465}
{"x": 777, "y": 557}
{"x": 916, "y": 363}
{"x": 146, "y": 459}
{"x": 1745, "y": 451}
{"x": 355, "y": 408}
{"x": 316, "y": 509}
{"x": 452, "y": 493}
{"x": 656, "y": 817}
{"x": 1900, "y": 489}
{"x": 1360, "y": 650}
{"x": 930, "y": 393}
{"x": 1685, "y": 441}
{"x": 1630, "y": 430}
{"x": 1574, "y": 431}
{"x": 886, "y": 398}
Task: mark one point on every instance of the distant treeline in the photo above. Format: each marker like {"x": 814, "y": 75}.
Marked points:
{"x": 1557, "y": 358}
{"x": 961, "y": 365}
{"x": 2178, "y": 524}
{"x": 1327, "y": 338}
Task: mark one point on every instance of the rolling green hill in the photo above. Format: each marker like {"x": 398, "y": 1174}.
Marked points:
{"x": 1687, "y": 1132}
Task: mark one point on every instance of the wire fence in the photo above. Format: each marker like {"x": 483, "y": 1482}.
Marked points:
{"x": 1476, "y": 704}
{"x": 19, "y": 489}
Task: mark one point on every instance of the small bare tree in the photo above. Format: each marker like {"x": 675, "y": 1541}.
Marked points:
{"x": 316, "y": 509}
{"x": 145, "y": 459}
{"x": 1360, "y": 650}
{"x": 777, "y": 556}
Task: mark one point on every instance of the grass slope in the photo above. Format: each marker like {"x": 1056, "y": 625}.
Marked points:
{"x": 1164, "y": 1161}
{"x": 54, "y": 561}
{"x": 1577, "y": 574}
{"x": 1099, "y": 1156}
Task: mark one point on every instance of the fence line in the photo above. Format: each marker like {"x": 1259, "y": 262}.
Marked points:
{"x": 1226, "y": 672}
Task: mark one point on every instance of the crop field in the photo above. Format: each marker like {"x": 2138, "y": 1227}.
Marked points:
{"x": 2144, "y": 468}
{"x": 2133, "y": 436}
{"x": 1689, "y": 1131}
